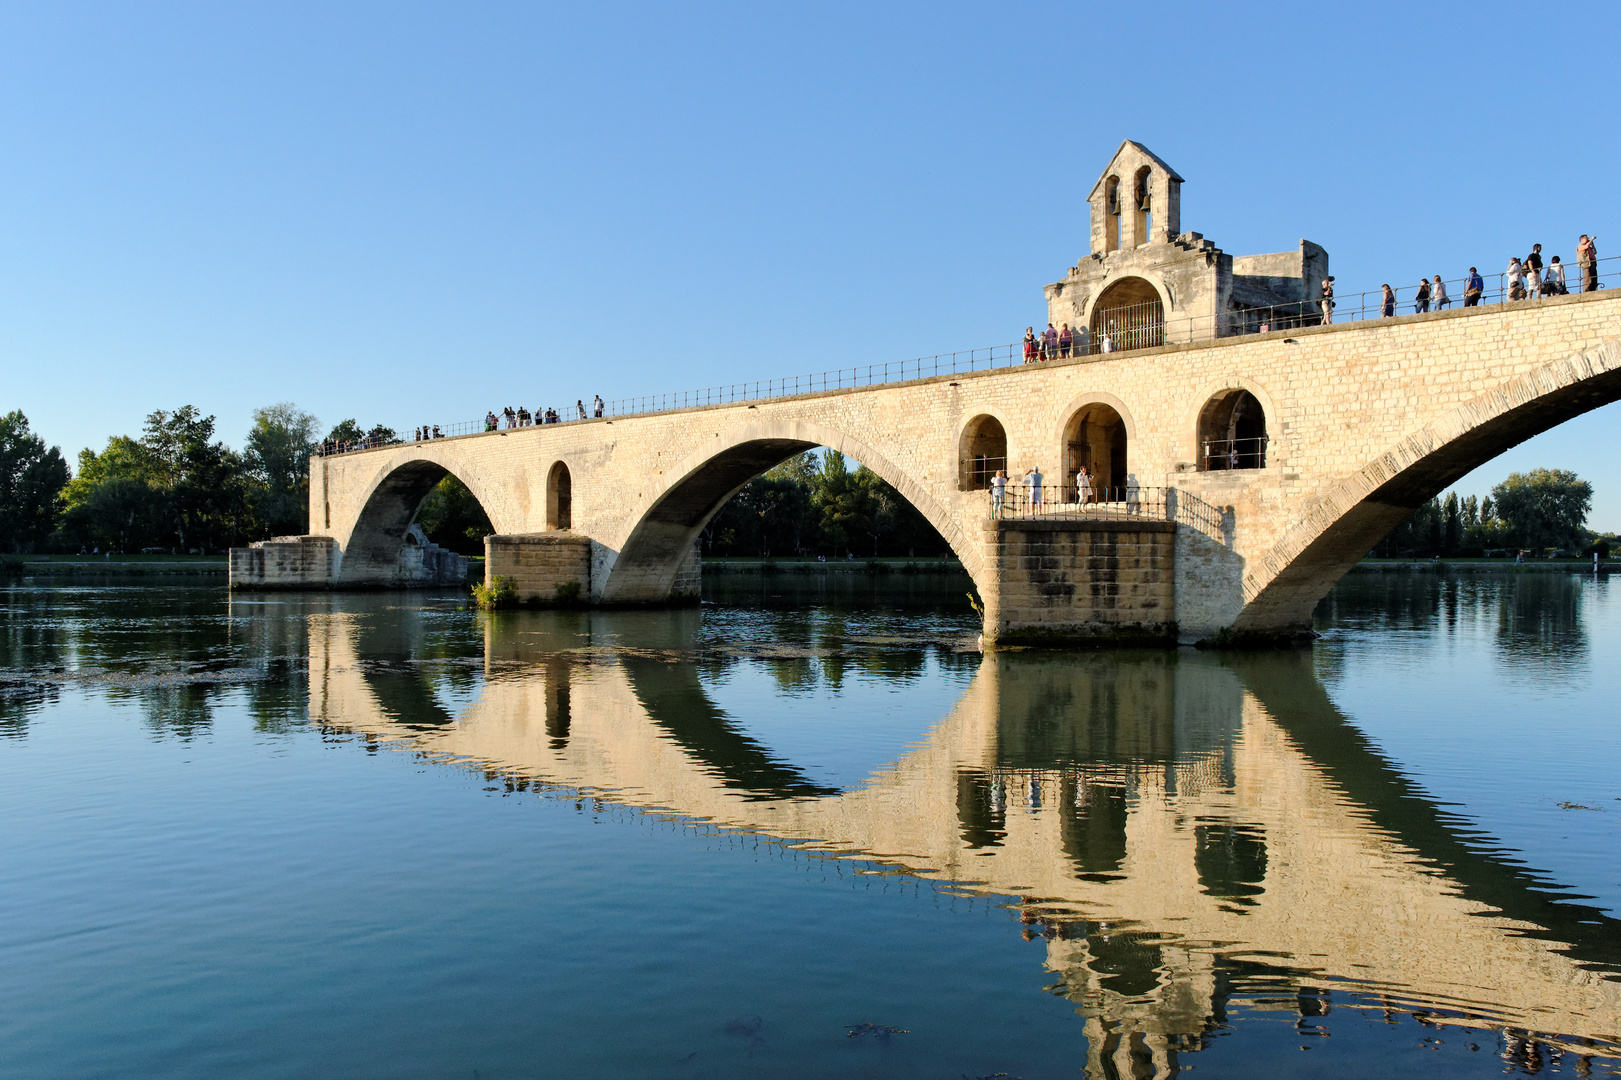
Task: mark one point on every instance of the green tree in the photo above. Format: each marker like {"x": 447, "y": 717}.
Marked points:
{"x": 349, "y": 431}
{"x": 1451, "y": 525}
{"x": 204, "y": 484}
{"x": 111, "y": 502}
{"x": 277, "y": 458}
{"x": 845, "y": 502}
{"x": 453, "y": 518}
{"x": 31, "y": 482}
{"x": 1544, "y": 508}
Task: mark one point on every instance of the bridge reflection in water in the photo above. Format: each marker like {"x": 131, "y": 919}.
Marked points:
{"x": 1188, "y": 832}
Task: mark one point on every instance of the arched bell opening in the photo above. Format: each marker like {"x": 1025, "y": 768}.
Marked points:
{"x": 559, "y": 498}
{"x": 1232, "y": 432}
{"x": 1130, "y": 314}
{"x": 982, "y": 451}
{"x": 1095, "y": 441}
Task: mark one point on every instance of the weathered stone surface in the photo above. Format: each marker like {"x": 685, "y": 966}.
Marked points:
{"x": 547, "y": 567}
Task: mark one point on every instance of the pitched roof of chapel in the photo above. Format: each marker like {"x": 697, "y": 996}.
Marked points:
{"x": 1141, "y": 149}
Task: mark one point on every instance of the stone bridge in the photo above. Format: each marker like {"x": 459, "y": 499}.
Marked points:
{"x": 1175, "y": 814}
{"x": 1283, "y": 455}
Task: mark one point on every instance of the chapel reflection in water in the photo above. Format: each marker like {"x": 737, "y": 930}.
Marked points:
{"x": 1185, "y": 832}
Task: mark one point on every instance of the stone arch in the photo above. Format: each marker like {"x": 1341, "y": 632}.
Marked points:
{"x": 1131, "y": 311}
{"x": 1340, "y": 527}
{"x": 658, "y": 536}
{"x": 1111, "y": 214}
{"x": 1232, "y": 432}
{"x": 981, "y": 450}
{"x": 1191, "y": 447}
{"x": 1097, "y": 433}
{"x": 559, "y": 497}
{"x": 371, "y": 551}
{"x": 1066, "y": 417}
{"x": 1142, "y": 204}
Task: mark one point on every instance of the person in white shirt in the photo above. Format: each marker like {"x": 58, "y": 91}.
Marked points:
{"x": 1107, "y": 344}
{"x": 1516, "y": 279}
{"x": 1033, "y": 480}
{"x": 1438, "y": 293}
{"x": 1083, "y": 486}
{"x": 998, "y": 492}
{"x": 1553, "y": 278}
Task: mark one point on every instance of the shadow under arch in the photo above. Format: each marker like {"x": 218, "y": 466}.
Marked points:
{"x": 666, "y": 524}
{"x": 1337, "y": 531}
{"x": 371, "y": 555}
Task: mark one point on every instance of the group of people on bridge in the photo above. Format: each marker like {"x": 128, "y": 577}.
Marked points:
{"x": 1060, "y": 343}
{"x": 522, "y": 417}
{"x": 1524, "y": 279}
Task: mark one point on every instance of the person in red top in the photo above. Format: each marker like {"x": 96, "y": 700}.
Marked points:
{"x": 1029, "y": 344}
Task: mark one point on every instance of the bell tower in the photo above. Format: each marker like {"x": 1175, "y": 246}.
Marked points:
{"x": 1137, "y": 201}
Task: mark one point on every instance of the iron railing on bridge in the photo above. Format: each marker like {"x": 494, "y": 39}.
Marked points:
{"x": 1119, "y": 329}
{"x": 1021, "y": 500}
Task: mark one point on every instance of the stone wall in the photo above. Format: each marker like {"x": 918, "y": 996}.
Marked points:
{"x": 541, "y": 564}
{"x": 286, "y": 562}
{"x": 1058, "y": 582}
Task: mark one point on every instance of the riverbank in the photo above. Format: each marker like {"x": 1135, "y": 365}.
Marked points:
{"x": 116, "y": 566}
{"x": 910, "y": 566}
{"x": 1484, "y": 566}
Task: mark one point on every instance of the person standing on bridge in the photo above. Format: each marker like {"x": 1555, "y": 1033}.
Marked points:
{"x": 1029, "y": 344}
{"x": 1327, "y": 301}
{"x": 1066, "y": 341}
{"x": 1083, "y": 486}
{"x": 1387, "y": 309}
{"x": 579, "y": 406}
{"x": 1533, "y": 270}
{"x": 596, "y": 405}
{"x": 998, "y": 492}
{"x": 1516, "y": 278}
{"x": 1439, "y": 294}
{"x": 1553, "y": 282}
{"x": 1421, "y": 302}
{"x": 1032, "y": 480}
{"x": 1587, "y": 261}
{"x": 1049, "y": 343}
{"x": 1472, "y": 288}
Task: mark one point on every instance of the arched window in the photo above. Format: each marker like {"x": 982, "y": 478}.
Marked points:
{"x": 1130, "y": 314}
{"x": 1095, "y": 439}
{"x": 1232, "y": 432}
{"x": 1111, "y": 214}
{"x": 1141, "y": 201}
{"x": 559, "y": 498}
{"x": 982, "y": 451}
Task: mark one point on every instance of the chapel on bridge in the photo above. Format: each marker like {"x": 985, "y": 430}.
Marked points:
{"x": 1147, "y": 283}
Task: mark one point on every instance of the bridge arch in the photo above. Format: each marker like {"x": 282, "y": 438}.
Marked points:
{"x": 659, "y": 534}
{"x": 559, "y": 496}
{"x": 982, "y": 448}
{"x": 1193, "y": 447}
{"x": 1340, "y": 527}
{"x": 1090, "y": 411}
{"x": 389, "y": 506}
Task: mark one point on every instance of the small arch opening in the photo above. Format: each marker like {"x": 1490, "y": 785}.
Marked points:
{"x": 559, "y": 498}
{"x": 1130, "y": 314}
{"x": 1095, "y": 454}
{"x": 1111, "y": 214}
{"x": 982, "y": 451}
{"x": 1142, "y": 202}
{"x": 1232, "y": 432}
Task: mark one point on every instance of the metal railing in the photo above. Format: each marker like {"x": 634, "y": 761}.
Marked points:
{"x": 1121, "y": 329}
{"x": 1219, "y": 454}
{"x": 1021, "y": 500}
{"x": 977, "y": 472}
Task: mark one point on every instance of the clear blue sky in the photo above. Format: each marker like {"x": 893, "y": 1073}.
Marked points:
{"x": 408, "y": 213}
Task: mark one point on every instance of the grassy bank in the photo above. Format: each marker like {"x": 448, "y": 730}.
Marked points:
{"x": 1487, "y": 566}
{"x": 801, "y": 565}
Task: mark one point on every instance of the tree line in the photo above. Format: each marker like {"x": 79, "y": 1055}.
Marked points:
{"x": 1540, "y": 512}
{"x": 173, "y": 487}
{"x": 809, "y": 506}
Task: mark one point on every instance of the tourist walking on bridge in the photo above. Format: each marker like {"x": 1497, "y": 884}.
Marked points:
{"x": 1387, "y": 309}
{"x": 1083, "y": 486}
{"x": 1439, "y": 294}
{"x": 1473, "y": 288}
{"x": 1421, "y": 302}
{"x": 1587, "y": 261}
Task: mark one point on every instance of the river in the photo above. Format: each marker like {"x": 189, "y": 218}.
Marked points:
{"x": 805, "y": 830}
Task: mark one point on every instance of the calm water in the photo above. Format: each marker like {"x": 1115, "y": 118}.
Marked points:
{"x": 805, "y": 831}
